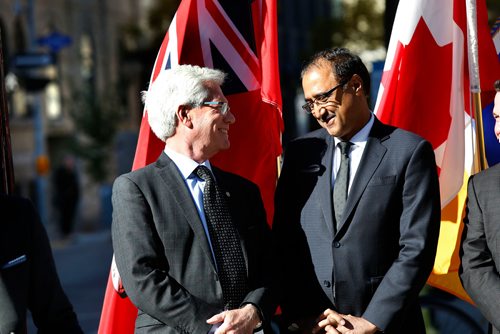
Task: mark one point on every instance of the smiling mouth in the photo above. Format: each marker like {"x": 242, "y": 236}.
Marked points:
{"x": 327, "y": 117}
{"x": 226, "y": 131}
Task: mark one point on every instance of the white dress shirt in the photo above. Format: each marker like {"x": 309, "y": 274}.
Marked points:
{"x": 359, "y": 142}
{"x": 196, "y": 185}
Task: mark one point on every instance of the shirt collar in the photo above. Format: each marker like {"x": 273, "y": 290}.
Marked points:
{"x": 362, "y": 135}
{"x": 185, "y": 164}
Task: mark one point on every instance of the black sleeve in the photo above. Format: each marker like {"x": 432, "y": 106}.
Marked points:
{"x": 50, "y": 308}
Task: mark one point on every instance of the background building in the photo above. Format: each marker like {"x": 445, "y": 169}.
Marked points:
{"x": 74, "y": 72}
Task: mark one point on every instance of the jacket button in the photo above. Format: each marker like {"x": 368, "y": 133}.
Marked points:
{"x": 336, "y": 244}
{"x": 327, "y": 284}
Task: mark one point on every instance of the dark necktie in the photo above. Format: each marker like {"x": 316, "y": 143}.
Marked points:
{"x": 225, "y": 242}
{"x": 341, "y": 182}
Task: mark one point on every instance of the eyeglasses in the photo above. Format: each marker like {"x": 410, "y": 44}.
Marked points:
{"x": 321, "y": 99}
{"x": 222, "y": 107}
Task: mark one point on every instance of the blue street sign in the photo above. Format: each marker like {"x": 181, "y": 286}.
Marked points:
{"x": 55, "y": 41}
{"x": 32, "y": 60}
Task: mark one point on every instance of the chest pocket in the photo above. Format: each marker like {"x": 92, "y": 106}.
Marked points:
{"x": 382, "y": 181}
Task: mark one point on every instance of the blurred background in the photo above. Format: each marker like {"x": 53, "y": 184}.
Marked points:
{"x": 74, "y": 71}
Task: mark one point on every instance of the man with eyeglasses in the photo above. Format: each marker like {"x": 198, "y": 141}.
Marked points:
{"x": 191, "y": 241}
{"x": 357, "y": 212}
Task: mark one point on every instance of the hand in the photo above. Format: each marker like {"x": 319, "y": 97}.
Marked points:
{"x": 238, "y": 321}
{"x": 305, "y": 325}
{"x": 331, "y": 322}
{"x": 352, "y": 325}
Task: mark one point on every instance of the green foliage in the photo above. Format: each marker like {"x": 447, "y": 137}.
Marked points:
{"x": 493, "y": 7}
{"x": 96, "y": 120}
{"x": 140, "y": 43}
{"x": 159, "y": 18}
{"x": 357, "y": 25}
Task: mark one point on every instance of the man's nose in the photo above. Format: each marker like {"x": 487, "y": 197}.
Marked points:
{"x": 319, "y": 111}
{"x": 229, "y": 117}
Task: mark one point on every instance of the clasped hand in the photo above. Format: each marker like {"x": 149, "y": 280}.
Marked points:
{"x": 331, "y": 322}
{"x": 237, "y": 321}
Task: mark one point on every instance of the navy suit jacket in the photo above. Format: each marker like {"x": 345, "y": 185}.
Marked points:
{"x": 382, "y": 253}
{"x": 480, "y": 251}
{"x": 162, "y": 251}
{"x": 28, "y": 276}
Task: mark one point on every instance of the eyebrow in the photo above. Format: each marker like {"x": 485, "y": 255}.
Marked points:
{"x": 317, "y": 96}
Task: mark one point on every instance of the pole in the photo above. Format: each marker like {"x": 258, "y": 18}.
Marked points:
{"x": 480, "y": 162}
{"x": 41, "y": 180}
{"x": 7, "y": 177}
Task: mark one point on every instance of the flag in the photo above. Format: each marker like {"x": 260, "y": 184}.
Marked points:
{"x": 495, "y": 33}
{"x": 490, "y": 140}
{"x": 239, "y": 38}
{"x": 425, "y": 89}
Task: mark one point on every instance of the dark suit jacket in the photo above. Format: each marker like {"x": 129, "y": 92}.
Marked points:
{"x": 28, "y": 277}
{"x": 163, "y": 255}
{"x": 480, "y": 251}
{"x": 375, "y": 265}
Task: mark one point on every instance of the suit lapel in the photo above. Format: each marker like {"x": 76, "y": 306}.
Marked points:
{"x": 174, "y": 183}
{"x": 371, "y": 159}
{"x": 325, "y": 184}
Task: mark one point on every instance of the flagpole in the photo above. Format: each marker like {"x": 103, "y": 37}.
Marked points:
{"x": 278, "y": 165}
{"x": 480, "y": 162}
{"x": 279, "y": 161}
{"x": 7, "y": 170}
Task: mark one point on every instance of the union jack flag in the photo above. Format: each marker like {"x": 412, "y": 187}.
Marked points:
{"x": 239, "y": 38}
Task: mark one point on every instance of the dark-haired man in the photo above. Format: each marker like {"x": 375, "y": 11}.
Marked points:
{"x": 357, "y": 211}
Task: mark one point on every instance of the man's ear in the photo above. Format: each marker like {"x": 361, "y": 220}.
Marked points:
{"x": 183, "y": 116}
{"x": 357, "y": 83}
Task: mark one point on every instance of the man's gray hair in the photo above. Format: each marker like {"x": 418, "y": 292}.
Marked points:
{"x": 182, "y": 85}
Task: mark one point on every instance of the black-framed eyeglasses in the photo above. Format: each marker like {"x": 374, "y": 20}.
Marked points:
{"x": 321, "y": 99}
{"x": 222, "y": 107}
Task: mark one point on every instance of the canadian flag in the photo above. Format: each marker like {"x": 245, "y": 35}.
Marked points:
{"x": 425, "y": 89}
{"x": 240, "y": 38}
